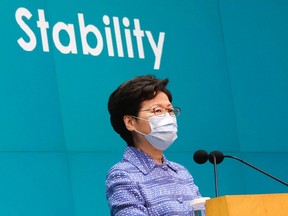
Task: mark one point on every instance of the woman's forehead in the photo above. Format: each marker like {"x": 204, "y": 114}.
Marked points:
{"x": 161, "y": 99}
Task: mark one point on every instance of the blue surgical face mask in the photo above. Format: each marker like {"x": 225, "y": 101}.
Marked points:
{"x": 163, "y": 131}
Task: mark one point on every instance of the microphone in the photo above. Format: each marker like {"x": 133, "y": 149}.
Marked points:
{"x": 202, "y": 156}
{"x": 218, "y": 155}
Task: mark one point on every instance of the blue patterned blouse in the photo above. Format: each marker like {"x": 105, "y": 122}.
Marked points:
{"x": 137, "y": 186}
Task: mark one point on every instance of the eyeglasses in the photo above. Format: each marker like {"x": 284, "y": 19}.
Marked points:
{"x": 161, "y": 111}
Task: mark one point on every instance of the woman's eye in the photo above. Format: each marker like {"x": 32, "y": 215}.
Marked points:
{"x": 158, "y": 110}
{"x": 171, "y": 111}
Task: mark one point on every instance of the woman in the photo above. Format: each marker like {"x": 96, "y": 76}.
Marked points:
{"x": 145, "y": 182}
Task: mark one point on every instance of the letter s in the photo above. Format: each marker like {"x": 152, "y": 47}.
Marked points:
{"x": 31, "y": 44}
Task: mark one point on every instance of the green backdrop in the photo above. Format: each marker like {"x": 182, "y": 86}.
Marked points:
{"x": 228, "y": 70}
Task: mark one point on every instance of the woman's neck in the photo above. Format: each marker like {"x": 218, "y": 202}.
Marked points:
{"x": 155, "y": 154}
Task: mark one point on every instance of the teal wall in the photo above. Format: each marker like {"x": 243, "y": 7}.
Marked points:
{"x": 228, "y": 66}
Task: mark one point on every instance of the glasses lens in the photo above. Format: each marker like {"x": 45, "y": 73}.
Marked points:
{"x": 176, "y": 111}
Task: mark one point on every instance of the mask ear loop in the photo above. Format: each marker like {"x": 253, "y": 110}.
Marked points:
{"x": 140, "y": 118}
{"x": 140, "y": 132}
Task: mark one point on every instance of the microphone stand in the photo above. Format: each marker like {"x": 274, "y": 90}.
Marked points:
{"x": 215, "y": 175}
{"x": 228, "y": 156}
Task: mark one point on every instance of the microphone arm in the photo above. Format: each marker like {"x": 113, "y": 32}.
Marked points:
{"x": 242, "y": 161}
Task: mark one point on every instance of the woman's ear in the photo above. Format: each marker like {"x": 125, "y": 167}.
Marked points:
{"x": 129, "y": 122}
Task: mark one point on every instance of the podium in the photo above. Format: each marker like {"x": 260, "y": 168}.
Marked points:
{"x": 248, "y": 205}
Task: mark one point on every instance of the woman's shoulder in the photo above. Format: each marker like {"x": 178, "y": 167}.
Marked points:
{"x": 122, "y": 168}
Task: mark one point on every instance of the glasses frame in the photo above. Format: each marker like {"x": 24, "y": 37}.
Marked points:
{"x": 176, "y": 113}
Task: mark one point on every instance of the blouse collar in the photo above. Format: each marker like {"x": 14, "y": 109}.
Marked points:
{"x": 143, "y": 161}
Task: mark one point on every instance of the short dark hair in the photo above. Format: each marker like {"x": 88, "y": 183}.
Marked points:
{"x": 127, "y": 99}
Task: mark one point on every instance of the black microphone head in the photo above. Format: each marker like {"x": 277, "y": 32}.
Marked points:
{"x": 218, "y": 155}
{"x": 200, "y": 156}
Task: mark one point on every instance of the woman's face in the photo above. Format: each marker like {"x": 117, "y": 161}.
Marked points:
{"x": 146, "y": 111}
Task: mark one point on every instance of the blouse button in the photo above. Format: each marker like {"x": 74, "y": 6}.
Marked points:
{"x": 165, "y": 168}
{"x": 180, "y": 199}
